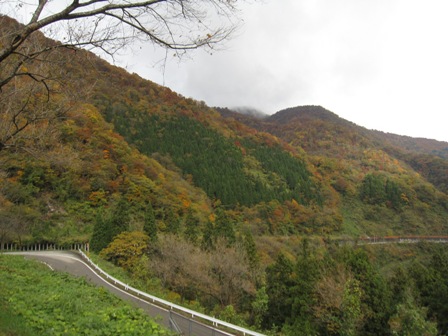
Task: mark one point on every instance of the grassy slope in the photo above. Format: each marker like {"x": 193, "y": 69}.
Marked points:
{"x": 37, "y": 301}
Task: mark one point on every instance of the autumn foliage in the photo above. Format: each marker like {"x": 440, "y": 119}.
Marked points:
{"x": 215, "y": 208}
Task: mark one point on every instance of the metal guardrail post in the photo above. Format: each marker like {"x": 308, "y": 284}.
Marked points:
{"x": 173, "y": 325}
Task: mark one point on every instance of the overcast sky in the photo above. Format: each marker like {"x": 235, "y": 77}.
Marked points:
{"x": 382, "y": 64}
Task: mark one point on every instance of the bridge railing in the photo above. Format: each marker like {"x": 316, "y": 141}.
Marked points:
{"x": 15, "y": 247}
{"x": 172, "y": 306}
{"x": 378, "y": 240}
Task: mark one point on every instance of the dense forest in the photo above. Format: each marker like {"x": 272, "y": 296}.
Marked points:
{"x": 235, "y": 215}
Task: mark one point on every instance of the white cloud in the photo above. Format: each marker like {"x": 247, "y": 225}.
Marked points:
{"x": 382, "y": 64}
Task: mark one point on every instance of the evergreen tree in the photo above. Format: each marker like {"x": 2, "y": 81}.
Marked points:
{"x": 432, "y": 283}
{"x": 191, "y": 228}
{"x": 119, "y": 221}
{"x": 172, "y": 222}
{"x": 259, "y": 306}
{"x": 109, "y": 224}
{"x": 377, "y": 296}
{"x": 101, "y": 235}
{"x": 208, "y": 237}
{"x": 393, "y": 194}
{"x": 224, "y": 226}
{"x": 410, "y": 319}
{"x": 351, "y": 308}
{"x": 251, "y": 251}
{"x": 399, "y": 283}
{"x": 279, "y": 283}
{"x": 150, "y": 225}
{"x": 372, "y": 189}
{"x": 302, "y": 298}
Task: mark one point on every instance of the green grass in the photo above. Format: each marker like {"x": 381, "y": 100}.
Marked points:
{"x": 37, "y": 301}
{"x": 12, "y": 324}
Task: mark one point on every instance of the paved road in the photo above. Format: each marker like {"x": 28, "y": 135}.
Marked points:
{"x": 72, "y": 263}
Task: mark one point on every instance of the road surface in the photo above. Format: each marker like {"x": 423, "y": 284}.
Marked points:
{"x": 72, "y": 263}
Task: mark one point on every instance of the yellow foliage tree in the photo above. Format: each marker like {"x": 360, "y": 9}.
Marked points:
{"x": 126, "y": 249}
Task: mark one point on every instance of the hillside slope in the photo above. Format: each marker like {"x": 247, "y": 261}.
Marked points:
{"x": 125, "y": 139}
{"x": 385, "y": 180}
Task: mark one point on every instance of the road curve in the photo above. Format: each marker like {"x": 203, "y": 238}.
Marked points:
{"x": 72, "y": 263}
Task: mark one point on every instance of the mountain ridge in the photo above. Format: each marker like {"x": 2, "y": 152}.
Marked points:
{"x": 405, "y": 148}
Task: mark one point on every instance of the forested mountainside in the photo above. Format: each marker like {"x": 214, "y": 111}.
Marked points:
{"x": 228, "y": 213}
{"x": 365, "y": 167}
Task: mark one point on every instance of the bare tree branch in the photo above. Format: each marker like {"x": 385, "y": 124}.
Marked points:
{"x": 139, "y": 14}
{"x": 106, "y": 25}
{"x": 38, "y": 11}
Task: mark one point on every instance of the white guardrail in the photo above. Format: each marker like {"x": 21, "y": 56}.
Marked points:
{"x": 215, "y": 322}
